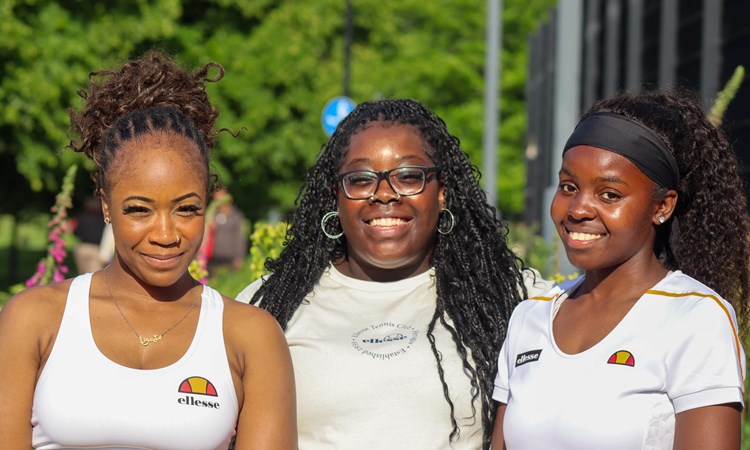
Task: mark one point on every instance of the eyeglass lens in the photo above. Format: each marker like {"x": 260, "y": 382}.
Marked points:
{"x": 403, "y": 180}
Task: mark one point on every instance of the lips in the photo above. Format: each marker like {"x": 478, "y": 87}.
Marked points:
{"x": 162, "y": 261}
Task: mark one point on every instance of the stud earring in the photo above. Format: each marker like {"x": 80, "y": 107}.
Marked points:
{"x": 662, "y": 219}
{"x": 106, "y": 221}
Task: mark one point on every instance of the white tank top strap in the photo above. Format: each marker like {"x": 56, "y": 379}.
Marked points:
{"x": 75, "y": 327}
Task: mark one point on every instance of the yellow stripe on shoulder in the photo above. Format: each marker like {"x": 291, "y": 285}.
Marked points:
{"x": 718, "y": 302}
{"x": 542, "y": 298}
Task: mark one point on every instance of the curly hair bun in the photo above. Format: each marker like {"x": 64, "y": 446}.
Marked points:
{"x": 136, "y": 97}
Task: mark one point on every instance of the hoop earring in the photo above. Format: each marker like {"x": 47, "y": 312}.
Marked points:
{"x": 452, "y": 222}
{"x": 323, "y": 221}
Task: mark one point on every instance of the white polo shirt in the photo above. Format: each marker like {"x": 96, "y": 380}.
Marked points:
{"x": 676, "y": 349}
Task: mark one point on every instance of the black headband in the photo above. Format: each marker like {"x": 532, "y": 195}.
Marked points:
{"x": 621, "y": 135}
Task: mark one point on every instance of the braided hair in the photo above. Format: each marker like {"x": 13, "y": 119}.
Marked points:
{"x": 478, "y": 278}
{"x": 707, "y": 236}
{"x": 147, "y": 94}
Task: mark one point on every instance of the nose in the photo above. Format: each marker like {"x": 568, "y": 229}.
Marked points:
{"x": 164, "y": 232}
{"x": 581, "y": 207}
{"x": 387, "y": 194}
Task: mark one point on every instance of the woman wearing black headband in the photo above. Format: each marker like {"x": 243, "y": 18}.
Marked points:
{"x": 639, "y": 352}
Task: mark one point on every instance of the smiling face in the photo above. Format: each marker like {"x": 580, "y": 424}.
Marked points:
{"x": 388, "y": 237}
{"x": 605, "y": 211}
{"x": 156, "y": 201}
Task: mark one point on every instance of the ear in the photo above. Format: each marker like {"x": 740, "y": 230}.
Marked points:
{"x": 441, "y": 195}
{"x": 105, "y": 204}
{"x": 665, "y": 208}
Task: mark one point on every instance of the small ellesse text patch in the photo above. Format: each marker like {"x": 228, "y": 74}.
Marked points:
{"x": 527, "y": 357}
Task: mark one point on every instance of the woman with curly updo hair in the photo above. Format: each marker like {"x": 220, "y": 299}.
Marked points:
{"x": 139, "y": 354}
{"x": 644, "y": 349}
{"x": 394, "y": 288}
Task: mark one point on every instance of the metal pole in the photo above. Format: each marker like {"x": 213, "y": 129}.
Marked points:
{"x": 491, "y": 95}
{"x": 348, "y": 34}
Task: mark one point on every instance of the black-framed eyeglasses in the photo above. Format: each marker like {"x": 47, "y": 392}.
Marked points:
{"x": 405, "y": 181}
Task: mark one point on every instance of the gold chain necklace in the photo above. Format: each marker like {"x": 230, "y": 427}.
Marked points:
{"x": 145, "y": 341}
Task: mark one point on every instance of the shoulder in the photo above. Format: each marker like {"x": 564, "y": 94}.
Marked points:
{"x": 249, "y": 326}
{"x": 535, "y": 283}
{"x": 247, "y": 294}
{"x": 539, "y": 305}
{"x": 685, "y": 296}
{"x": 38, "y": 301}
{"x": 35, "y": 312}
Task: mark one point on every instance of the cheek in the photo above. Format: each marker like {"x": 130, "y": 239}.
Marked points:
{"x": 558, "y": 208}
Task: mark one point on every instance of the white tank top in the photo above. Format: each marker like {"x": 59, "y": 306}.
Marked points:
{"x": 85, "y": 400}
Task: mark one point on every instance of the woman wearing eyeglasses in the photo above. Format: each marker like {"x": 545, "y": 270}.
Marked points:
{"x": 394, "y": 289}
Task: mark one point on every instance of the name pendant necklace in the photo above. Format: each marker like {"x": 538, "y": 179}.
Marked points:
{"x": 145, "y": 341}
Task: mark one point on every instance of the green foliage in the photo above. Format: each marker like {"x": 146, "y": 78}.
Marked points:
{"x": 267, "y": 241}
{"x": 725, "y": 96}
{"x": 284, "y": 60}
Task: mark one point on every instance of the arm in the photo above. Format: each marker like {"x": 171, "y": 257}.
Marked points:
{"x": 268, "y": 417}
{"x": 710, "y": 427}
{"x": 498, "y": 440}
{"x": 22, "y": 352}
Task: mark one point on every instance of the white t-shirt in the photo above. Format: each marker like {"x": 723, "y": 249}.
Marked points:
{"x": 366, "y": 375}
{"x": 675, "y": 350}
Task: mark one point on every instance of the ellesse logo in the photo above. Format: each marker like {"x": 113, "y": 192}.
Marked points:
{"x": 198, "y": 386}
{"x": 527, "y": 357}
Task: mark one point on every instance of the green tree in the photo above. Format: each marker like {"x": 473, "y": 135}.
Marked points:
{"x": 283, "y": 61}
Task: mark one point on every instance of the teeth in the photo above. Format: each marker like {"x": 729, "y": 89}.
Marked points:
{"x": 584, "y": 236}
{"x": 387, "y": 222}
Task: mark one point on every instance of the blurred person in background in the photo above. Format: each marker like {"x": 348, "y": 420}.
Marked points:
{"x": 226, "y": 233}
{"x": 89, "y": 230}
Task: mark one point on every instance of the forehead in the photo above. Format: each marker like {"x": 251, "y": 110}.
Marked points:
{"x": 157, "y": 162}
{"x": 386, "y": 141}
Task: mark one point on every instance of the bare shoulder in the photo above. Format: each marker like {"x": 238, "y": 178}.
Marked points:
{"x": 35, "y": 314}
{"x": 39, "y": 304}
{"x": 249, "y": 324}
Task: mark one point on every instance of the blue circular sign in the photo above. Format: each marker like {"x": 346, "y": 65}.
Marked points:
{"x": 334, "y": 112}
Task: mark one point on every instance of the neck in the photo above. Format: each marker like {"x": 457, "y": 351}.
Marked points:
{"x": 626, "y": 280}
{"x": 353, "y": 269}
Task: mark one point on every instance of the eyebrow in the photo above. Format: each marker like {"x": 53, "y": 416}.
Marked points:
{"x": 601, "y": 179}
{"x": 148, "y": 200}
{"x": 611, "y": 179}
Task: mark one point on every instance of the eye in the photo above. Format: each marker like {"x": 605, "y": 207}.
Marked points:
{"x": 136, "y": 210}
{"x": 409, "y": 176}
{"x": 190, "y": 210}
{"x": 567, "y": 188}
{"x": 610, "y": 196}
{"x": 360, "y": 179}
